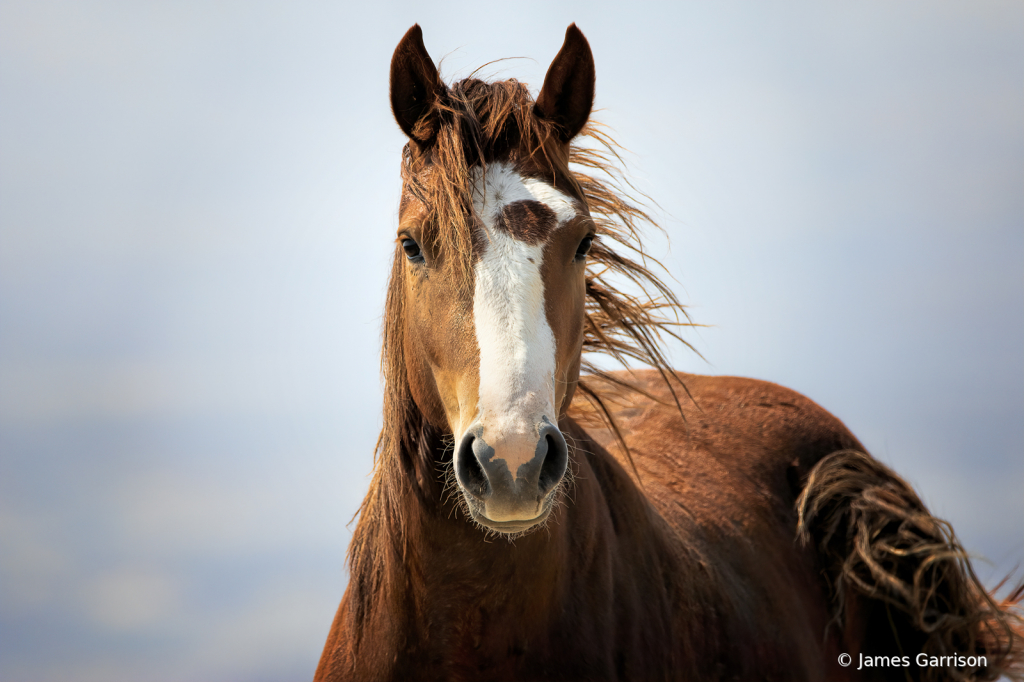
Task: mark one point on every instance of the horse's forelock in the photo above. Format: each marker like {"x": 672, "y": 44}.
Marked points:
{"x": 479, "y": 123}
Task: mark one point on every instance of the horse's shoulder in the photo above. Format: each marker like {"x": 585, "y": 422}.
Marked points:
{"x": 723, "y": 468}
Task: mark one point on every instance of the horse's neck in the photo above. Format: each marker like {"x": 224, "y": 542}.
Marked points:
{"x": 460, "y": 585}
{"x": 606, "y": 582}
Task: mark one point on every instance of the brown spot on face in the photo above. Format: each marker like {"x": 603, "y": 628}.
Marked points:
{"x": 527, "y": 221}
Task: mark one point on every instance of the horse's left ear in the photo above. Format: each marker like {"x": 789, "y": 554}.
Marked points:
{"x": 415, "y": 86}
{"x": 568, "y": 93}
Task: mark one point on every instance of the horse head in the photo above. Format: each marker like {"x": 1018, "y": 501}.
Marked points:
{"x": 491, "y": 259}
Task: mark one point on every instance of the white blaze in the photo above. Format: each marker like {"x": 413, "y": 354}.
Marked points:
{"x": 517, "y": 347}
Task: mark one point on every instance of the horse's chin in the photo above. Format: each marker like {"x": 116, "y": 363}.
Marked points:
{"x": 517, "y": 527}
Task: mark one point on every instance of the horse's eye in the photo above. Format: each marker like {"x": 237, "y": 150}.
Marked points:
{"x": 412, "y": 250}
{"x": 584, "y": 248}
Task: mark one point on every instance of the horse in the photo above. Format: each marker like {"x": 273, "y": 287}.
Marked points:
{"x": 534, "y": 515}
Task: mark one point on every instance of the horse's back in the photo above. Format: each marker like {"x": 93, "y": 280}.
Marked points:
{"x": 742, "y": 443}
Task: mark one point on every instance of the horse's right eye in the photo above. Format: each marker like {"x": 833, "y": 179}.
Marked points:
{"x": 412, "y": 250}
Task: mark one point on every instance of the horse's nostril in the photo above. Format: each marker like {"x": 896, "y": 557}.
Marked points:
{"x": 486, "y": 475}
{"x": 467, "y": 468}
{"x": 555, "y": 462}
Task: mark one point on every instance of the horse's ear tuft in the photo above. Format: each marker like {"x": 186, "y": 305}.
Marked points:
{"x": 568, "y": 93}
{"x": 415, "y": 86}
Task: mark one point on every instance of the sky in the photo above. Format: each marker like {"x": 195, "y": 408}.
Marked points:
{"x": 198, "y": 206}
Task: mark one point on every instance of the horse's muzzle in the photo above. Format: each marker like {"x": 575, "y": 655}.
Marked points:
{"x": 499, "y": 498}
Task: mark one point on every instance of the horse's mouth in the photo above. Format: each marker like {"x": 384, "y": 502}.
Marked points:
{"x": 512, "y": 527}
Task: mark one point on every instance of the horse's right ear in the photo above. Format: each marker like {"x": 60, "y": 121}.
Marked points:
{"x": 415, "y": 85}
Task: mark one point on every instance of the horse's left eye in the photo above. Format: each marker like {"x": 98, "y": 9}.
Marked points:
{"x": 412, "y": 250}
{"x": 584, "y": 248}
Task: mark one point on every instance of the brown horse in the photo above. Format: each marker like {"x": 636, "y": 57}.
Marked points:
{"x": 527, "y": 521}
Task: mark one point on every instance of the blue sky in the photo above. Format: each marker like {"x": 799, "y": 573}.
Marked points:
{"x": 197, "y": 208}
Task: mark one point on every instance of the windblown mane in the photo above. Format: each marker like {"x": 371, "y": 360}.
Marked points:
{"x": 477, "y": 123}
